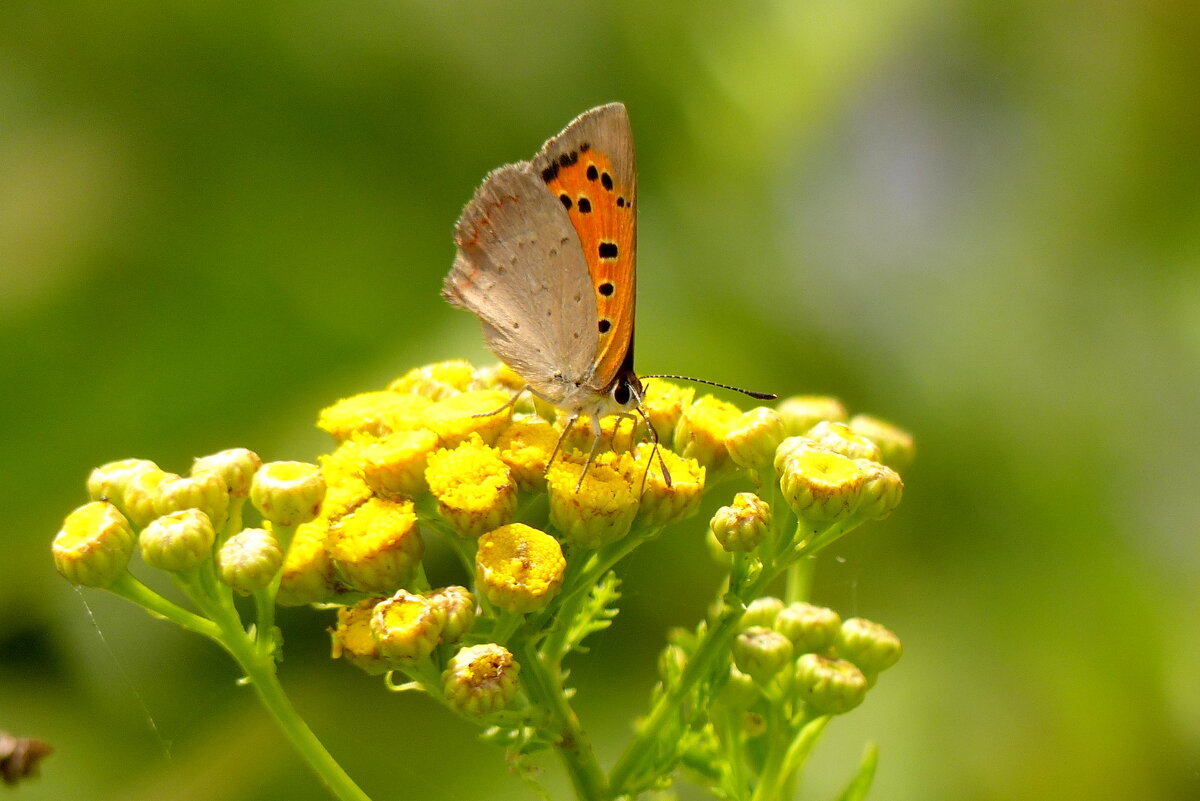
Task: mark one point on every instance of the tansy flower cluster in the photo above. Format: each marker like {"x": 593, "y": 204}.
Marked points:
{"x": 444, "y": 454}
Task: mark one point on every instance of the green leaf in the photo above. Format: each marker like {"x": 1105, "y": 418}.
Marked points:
{"x": 857, "y": 789}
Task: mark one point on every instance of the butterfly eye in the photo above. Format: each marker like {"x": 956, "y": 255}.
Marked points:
{"x": 621, "y": 394}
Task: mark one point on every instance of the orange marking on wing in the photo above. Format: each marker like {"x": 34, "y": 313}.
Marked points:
{"x": 602, "y": 213}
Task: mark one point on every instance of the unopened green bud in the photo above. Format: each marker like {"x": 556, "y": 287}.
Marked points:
{"x": 92, "y": 549}
{"x": 896, "y": 445}
{"x": 841, "y": 438}
{"x": 672, "y": 659}
{"x": 762, "y": 612}
{"x": 406, "y": 627}
{"x": 802, "y": 412}
{"x": 141, "y": 488}
{"x": 107, "y": 482}
{"x": 821, "y": 485}
{"x": 740, "y": 690}
{"x": 830, "y": 686}
{"x": 178, "y": 541}
{"x": 742, "y": 525}
{"x": 249, "y": 560}
{"x": 869, "y": 645}
{"x": 812, "y": 629}
{"x": 481, "y": 679}
{"x": 459, "y": 606}
{"x": 288, "y": 493}
{"x": 752, "y": 440}
{"x": 206, "y": 492}
{"x": 882, "y": 490}
{"x": 236, "y": 465}
{"x": 760, "y": 653}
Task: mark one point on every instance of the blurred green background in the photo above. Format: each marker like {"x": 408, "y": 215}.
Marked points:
{"x": 979, "y": 220}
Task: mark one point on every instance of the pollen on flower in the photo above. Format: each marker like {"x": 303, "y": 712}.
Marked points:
{"x": 518, "y": 568}
{"x": 93, "y": 547}
{"x": 662, "y": 505}
{"x": 474, "y": 488}
{"x": 394, "y": 466}
{"x": 525, "y": 446}
{"x": 820, "y": 484}
{"x": 481, "y": 679}
{"x": 352, "y": 639}
{"x": 308, "y": 572}
{"x": 603, "y": 508}
{"x": 407, "y": 627}
{"x": 436, "y": 381}
{"x": 456, "y": 418}
{"x": 380, "y": 412}
{"x": 702, "y": 429}
{"x": 377, "y": 547}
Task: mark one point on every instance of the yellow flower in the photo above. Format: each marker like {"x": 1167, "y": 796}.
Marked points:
{"x": 436, "y": 381}
{"x": 802, "y": 412}
{"x": 829, "y": 686}
{"x": 377, "y": 547}
{"x": 141, "y": 488}
{"x": 249, "y": 560}
{"x": 343, "y": 498}
{"x": 459, "y": 606}
{"x": 518, "y": 568}
{"x": 236, "y": 465}
{"x": 407, "y": 627}
{"x": 178, "y": 541}
{"x": 346, "y": 461}
{"x": 753, "y": 438}
{"x": 616, "y": 434}
{"x": 498, "y": 376}
{"x": 843, "y": 439}
{"x": 458, "y": 417}
{"x": 662, "y": 505}
{"x": 380, "y": 412}
{"x": 206, "y": 491}
{"x": 882, "y": 490}
{"x": 742, "y": 525}
{"x": 819, "y": 484}
{"x": 525, "y": 446}
{"x": 896, "y": 446}
{"x": 603, "y": 508}
{"x": 93, "y": 547}
{"x": 474, "y": 488}
{"x": 352, "y": 638}
{"x": 701, "y": 432}
{"x": 308, "y": 572}
{"x": 481, "y": 679}
{"x": 394, "y": 466}
{"x": 288, "y": 493}
{"x": 107, "y": 482}
{"x": 664, "y": 403}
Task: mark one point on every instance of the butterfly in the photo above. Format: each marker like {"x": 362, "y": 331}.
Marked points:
{"x": 546, "y": 259}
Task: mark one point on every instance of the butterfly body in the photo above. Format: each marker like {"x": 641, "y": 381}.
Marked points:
{"x": 546, "y": 255}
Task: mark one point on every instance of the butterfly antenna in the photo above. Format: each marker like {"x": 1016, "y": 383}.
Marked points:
{"x": 750, "y": 392}
{"x": 653, "y": 452}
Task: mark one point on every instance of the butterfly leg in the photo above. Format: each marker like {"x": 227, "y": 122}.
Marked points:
{"x": 508, "y": 403}
{"x": 558, "y": 445}
{"x": 597, "y": 433}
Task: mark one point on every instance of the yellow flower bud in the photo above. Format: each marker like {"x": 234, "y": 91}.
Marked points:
{"x": 741, "y": 526}
{"x": 802, "y": 412}
{"x": 407, "y": 628}
{"x": 896, "y": 445}
{"x": 309, "y": 576}
{"x": 821, "y": 485}
{"x": 249, "y": 560}
{"x": 376, "y": 413}
{"x": 206, "y": 492}
{"x": 518, "y": 568}
{"x": 841, "y": 438}
{"x": 600, "y": 512}
{"x": 481, "y": 679}
{"x": 377, "y": 547}
{"x": 141, "y": 488}
{"x": 868, "y": 645}
{"x": 352, "y": 639}
{"x": 882, "y": 490}
{"x": 93, "y": 547}
{"x": 664, "y": 403}
{"x": 761, "y": 612}
{"x": 288, "y": 493}
{"x": 760, "y": 653}
{"x": 107, "y": 482}
{"x": 236, "y": 465}
{"x": 178, "y": 541}
{"x": 830, "y": 686}
{"x": 812, "y": 629}
{"x": 525, "y": 446}
{"x": 459, "y": 606}
{"x": 701, "y": 431}
{"x": 753, "y": 438}
{"x": 394, "y": 466}
{"x": 474, "y": 489}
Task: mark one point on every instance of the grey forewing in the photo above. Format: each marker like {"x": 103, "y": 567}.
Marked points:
{"x": 520, "y": 268}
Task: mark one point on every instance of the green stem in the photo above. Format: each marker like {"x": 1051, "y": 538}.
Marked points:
{"x": 133, "y": 590}
{"x": 781, "y": 772}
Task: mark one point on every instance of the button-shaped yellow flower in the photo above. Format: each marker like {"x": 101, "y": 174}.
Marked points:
{"x": 206, "y": 492}
{"x": 375, "y": 413}
{"x": 663, "y": 505}
{"x": 288, "y": 493}
{"x": 821, "y": 485}
{"x": 830, "y": 686}
{"x": 525, "y": 446}
{"x": 459, "y": 605}
{"x": 352, "y": 639}
{"x": 664, "y": 403}
{"x": 603, "y": 508}
{"x": 178, "y": 541}
{"x": 802, "y": 412}
{"x": 141, "y": 488}
{"x": 742, "y": 525}
{"x": 702, "y": 429}
{"x": 752, "y": 440}
{"x": 407, "y": 627}
{"x": 93, "y": 547}
{"x": 436, "y": 381}
{"x": 309, "y": 576}
{"x": 518, "y": 568}
{"x": 481, "y": 679}
{"x": 457, "y": 417}
{"x": 843, "y": 439}
{"x": 377, "y": 547}
{"x": 474, "y": 488}
{"x": 107, "y": 482}
{"x": 394, "y": 466}
{"x": 896, "y": 446}
{"x": 236, "y": 465}
{"x": 249, "y": 560}
{"x": 882, "y": 490}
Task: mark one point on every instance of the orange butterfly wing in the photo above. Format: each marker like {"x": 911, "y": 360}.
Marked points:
{"x": 590, "y": 168}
